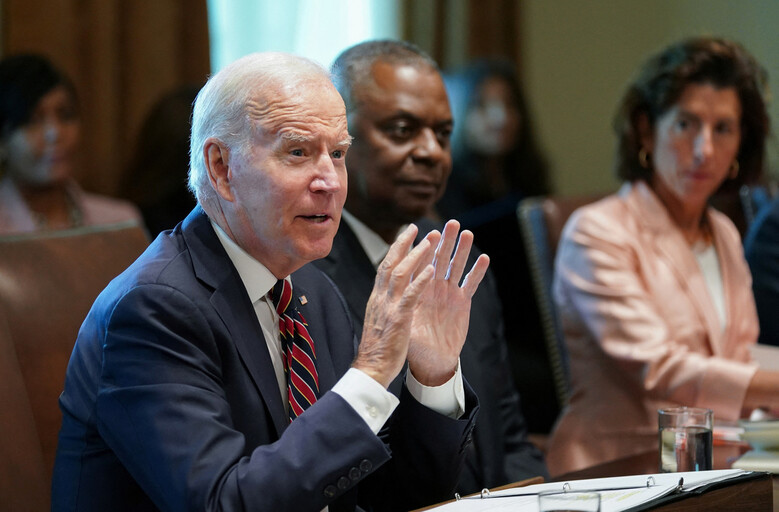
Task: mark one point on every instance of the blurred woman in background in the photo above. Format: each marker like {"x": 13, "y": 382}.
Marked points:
{"x": 496, "y": 159}
{"x": 39, "y": 140}
{"x": 496, "y": 162}
{"x": 651, "y": 283}
{"x": 156, "y": 178}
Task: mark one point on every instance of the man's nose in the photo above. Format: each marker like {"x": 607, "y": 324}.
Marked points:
{"x": 326, "y": 178}
{"x": 428, "y": 146}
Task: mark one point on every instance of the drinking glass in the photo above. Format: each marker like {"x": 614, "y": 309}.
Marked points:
{"x": 570, "y": 501}
{"x": 685, "y": 439}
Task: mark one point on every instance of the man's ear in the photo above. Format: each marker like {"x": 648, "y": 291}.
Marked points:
{"x": 646, "y": 135}
{"x": 217, "y": 159}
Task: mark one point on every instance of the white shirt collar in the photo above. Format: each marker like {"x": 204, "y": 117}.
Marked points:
{"x": 257, "y": 279}
{"x": 375, "y": 246}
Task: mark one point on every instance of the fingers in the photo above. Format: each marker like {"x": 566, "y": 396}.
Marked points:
{"x": 414, "y": 262}
{"x": 397, "y": 251}
{"x": 474, "y": 277}
{"x": 402, "y": 265}
{"x": 434, "y": 238}
{"x": 444, "y": 249}
{"x": 401, "y": 246}
{"x": 457, "y": 266}
{"x": 401, "y": 281}
{"x": 413, "y": 292}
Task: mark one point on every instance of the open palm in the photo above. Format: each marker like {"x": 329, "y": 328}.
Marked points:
{"x": 441, "y": 316}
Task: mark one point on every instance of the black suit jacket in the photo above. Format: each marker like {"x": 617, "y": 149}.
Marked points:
{"x": 761, "y": 247}
{"x": 501, "y": 452}
{"x": 171, "y": 402}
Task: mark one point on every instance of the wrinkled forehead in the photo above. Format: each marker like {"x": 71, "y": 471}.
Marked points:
{"x": 306, "y": 107}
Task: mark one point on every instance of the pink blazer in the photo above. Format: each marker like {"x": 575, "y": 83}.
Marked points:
{"x": 16, "y": 217}
{"x": 641, "y": 328}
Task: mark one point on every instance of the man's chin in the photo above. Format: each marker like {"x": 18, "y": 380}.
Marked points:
{"x": 320, "y": 249}
{"x": 409, "y": 215}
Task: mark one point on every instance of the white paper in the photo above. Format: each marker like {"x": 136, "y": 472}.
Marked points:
{"x": 617, "y": 494}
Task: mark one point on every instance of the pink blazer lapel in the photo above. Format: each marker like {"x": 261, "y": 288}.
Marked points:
{"x": 728, "y": 254}
{"x": 672, "y": 246}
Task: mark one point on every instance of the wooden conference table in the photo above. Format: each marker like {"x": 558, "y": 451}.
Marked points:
{"x": 754, "y": 495}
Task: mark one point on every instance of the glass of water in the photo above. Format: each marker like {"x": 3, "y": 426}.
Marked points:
{"x": 685, "y": 439}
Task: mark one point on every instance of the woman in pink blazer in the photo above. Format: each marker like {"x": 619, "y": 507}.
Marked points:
{"x": 40, "y": 135}
{"x": 651, "y": 284}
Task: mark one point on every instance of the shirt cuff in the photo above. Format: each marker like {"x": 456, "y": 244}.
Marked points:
{"x": 367, "y": 397}
{"x": 447, "y": 399}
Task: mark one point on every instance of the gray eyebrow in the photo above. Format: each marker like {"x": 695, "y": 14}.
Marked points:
{"x": 295, "y": 137}
{"x": 299, "y": 137}
{"x": 346, "y": 142}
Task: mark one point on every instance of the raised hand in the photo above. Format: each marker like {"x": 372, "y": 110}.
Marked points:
{"x": 442, "y": 313}
{"x": 401, "y": 280}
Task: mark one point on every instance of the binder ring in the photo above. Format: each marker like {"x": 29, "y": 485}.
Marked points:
{"x": 485, "y": 493}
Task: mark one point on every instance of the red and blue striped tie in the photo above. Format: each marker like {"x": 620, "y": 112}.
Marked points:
{"x": 298, "y": 352}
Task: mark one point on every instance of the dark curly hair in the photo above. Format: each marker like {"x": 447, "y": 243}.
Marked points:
{"x": 525, "y": 168}
{"x": 24, "y": 80}
{"x": 663, "y": 78}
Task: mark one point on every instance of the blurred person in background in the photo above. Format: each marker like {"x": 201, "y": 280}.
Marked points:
{"x": 651, "y": 283}
{"x": 39, "y": 142}
{"x": 497, "y": 162}
{"x": 496, "y": 159}
{"x": 761, "y": 247}
{"x": 156, "y": 178}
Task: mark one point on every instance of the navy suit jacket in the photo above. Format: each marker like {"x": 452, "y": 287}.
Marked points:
{"x": 501, "y": 452}
{"x": 761, "y": 248}
{"x": 171, "y": 402}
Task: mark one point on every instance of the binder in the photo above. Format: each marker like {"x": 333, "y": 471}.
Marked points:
{"x": 619, "y": 494}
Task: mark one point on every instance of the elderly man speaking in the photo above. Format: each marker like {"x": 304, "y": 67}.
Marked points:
{"x": 220, "y": 372}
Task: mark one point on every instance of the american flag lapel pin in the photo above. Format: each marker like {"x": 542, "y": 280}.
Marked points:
{"x": 303, "y": 300}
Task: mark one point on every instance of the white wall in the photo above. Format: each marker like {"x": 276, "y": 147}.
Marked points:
{"x": 317, "y": 29}
{"x": 578, "y": 56}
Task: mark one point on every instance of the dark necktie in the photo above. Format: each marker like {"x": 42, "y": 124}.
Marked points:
{"x": 298, "y": 352}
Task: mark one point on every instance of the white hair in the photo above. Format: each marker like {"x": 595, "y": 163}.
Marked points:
{"x": 220, "y": 109}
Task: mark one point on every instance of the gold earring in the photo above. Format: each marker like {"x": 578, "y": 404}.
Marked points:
{"x": 643, "y": 158}
{"x": 734, "y": 168}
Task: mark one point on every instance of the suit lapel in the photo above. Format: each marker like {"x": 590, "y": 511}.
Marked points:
{"x": 351, "y": 270}
{"x": 229, "y": 299}
{"x": 673, "y": 248}
{"x": 726, "y": 258}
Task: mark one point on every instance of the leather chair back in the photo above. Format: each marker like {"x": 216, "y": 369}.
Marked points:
{"x": 756, "y": 197}
{"x": 48, "y": 282}
{"x": 542, "y": 220}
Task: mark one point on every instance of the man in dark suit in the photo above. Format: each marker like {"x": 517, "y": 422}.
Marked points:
{"x": 761, "y": 248}
{"x": 180, "y": 393}
{"x": 399, "y": 162}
